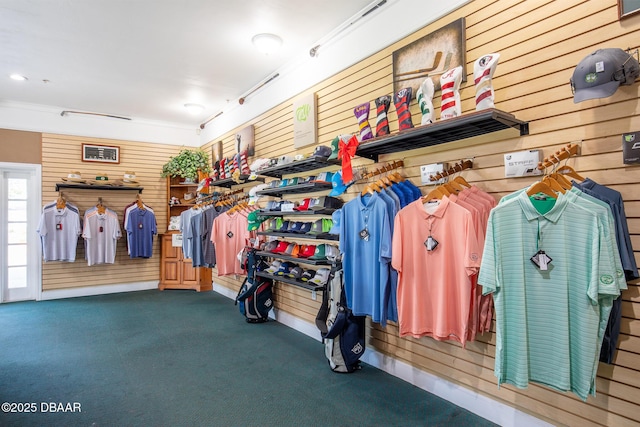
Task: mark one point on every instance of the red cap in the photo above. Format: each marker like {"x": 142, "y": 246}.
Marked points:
{"x": 282, "y": 246}
{"x": 304, "y": 205}
{"x": 307, "y": 251}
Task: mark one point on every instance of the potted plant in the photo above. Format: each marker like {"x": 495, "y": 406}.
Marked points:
{"x": 186, "y": 165}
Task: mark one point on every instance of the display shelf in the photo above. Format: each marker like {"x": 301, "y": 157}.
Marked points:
{"x": 290, "y": 281}
{"x": 298, "y": 166}
{"x": 326, "y": 211}
{"x": 294, "y": 259}
{"x": 466, "y": 126}
{"x": 323, "y": 236}
{"x": 229, "y": 182}
{"x": 97, "y": 187}
{"x": 307, "y": 187}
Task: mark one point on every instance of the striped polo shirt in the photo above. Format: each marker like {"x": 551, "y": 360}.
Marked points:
{"x": 548, "y": 322}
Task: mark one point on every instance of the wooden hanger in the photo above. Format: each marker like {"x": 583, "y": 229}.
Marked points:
{"x": 541, "y": 187}
{"x": 569, "y": 171}
{"x": 460, "y": 180}
{"x": 61, "y": 203}
{"x": 553, "y": 184}
{"x": 564, "y": 182}
{"x": 101, "y": 208}
{"x": 435, "y": 194}
{"x": 139, "y": 203}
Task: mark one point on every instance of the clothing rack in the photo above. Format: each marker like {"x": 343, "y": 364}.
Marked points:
{"x": 458, "y": 167}
{"x": 396, "y": 164}
{"x": 569, "y": 151}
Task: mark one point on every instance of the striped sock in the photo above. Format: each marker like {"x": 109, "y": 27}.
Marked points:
{"x": 483, "y": 70}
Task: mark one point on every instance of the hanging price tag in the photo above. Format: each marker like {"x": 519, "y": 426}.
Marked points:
{"x": 541, "y": 260}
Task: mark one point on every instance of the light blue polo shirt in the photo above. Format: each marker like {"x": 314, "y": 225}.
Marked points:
{"x": 548, "y": 322}
{"x": 366, "y": 263}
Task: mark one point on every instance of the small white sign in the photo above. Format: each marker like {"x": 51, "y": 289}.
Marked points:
{"x": 287, "y": 207}
{"x": 427, "y": 170}
{"x": 522, "y": 163}
{"x": 176, "y": 240}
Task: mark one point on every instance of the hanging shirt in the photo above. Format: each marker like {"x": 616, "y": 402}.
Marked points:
{"x": 59, "y": 230}
{"x": 208, "y": 248}
{"x": 230, "y": 235}
{"x": 101, "y": 232}
{"x": 389, "y": 299}
{"x": 140, "y": 228}
{"x": 365, "y": 244}
{"x": 197, "y": 255}
{"x": 434, "y": 286}
{"x": 185, "y": 228}
{"x": 548, "y": 322}
{"x": 125, "y": 218}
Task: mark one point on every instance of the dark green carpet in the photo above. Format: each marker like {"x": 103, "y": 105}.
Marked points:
{"x": 179, "y": 358}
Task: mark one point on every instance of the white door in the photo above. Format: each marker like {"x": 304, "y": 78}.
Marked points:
{"x": 20, "y": 196}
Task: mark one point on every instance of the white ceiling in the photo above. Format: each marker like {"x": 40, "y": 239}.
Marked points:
{"x": 145, "y": 59}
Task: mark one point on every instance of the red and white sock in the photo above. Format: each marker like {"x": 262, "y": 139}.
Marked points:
{"x": 450, "y": 84}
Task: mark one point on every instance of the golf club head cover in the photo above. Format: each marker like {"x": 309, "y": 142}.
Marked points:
{"x": 382, "y": 107}
{"x": 216, "y": 171}
{"x": 401, "y": 99}
{"x": 235, "y": 164}
{"x": 227, "y": 168}
{"x": 450, "y": 84}
{"x": 424, "y": 95}
{"x": 244, "y": 163}
{"x": 483, "y": 70}
{"x": 223, "y": 174}
{"x": 362, "y": 114}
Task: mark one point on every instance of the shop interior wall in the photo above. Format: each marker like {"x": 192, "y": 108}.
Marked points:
{"x": 20, "y": 146}
{"x": 61, "y": 154}
{"x": 540, "y": 42}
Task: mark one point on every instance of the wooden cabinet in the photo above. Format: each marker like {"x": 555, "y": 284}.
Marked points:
{"x": 177, "y": 272}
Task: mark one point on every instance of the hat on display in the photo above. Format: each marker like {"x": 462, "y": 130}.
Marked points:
{"x": 295, "y": 273}
{"x": 292, "y": 250}
{"x": 273, "y": 224}
{"x": 101, "y": 179}
{"x": 600, "y": 74}
{"x": 325, "y": 202}
{"x": 295, "y": 227}
{"x": 321, "y": 226}
{"x": 284, "y": 160}
{"x": 336, "y": 217}
{"x": 284, "y": 226}
{"x": 334, "y": 148}
{"x": 129, "y": 177}
{"x": 304, "y": 205}
{"x": 325, "y": 251}
{"x": 338, "y": 184}
{"x": 285, "y": 267}
{"x": 274, "y": 184}
{"x": 308, "y": 275}
{"x": 255, "y": 220}
{"x": 74, "y": 176}
{"x": 306, "y": 227}
{"x": 282, "y": 246}
{"x": 321, "y": 277}
{"x": 306, "y": 251}
{"x": 322, "y": 151}
{"x": 273, "y": 206}
{"x": 259, "y": 164}
{"x": 253, "y": 193}
{"x": 275, "y": 265}
{"x": 271, "y": 246}
{"x": 324, "y": 178}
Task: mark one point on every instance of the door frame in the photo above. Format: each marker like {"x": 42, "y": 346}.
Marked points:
{"x": 34, "y": 248}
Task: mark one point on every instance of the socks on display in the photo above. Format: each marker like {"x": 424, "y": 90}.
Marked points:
{"x": 424, "y": 95}
{"x": 401, "y": 99}
{"x": 235, "y": 164}
{"x": 362, "y": 114}
{"x": 450, "y": 84}
{"x": 382, "y": 107}
{"x": 483, "y": 70}
{"x": 227, "y": 168}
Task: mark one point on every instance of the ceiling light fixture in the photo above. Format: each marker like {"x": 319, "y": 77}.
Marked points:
{"x": 18, "y": 77}
{"x": 267, "y": 43}
{"x": 194, "y": 108}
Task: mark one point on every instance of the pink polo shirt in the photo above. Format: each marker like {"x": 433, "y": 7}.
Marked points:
{"x": 435, "y": 287}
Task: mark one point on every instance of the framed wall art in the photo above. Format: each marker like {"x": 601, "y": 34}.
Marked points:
{"x": 305, "y": 123}
{"x": 627, "y": 8}
{"x": 430, "y": 56}
{"x": 245, "y": 141}
{"x": 100, "y": 153}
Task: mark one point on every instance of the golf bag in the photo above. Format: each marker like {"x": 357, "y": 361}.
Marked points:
{"x": 255, "y": 297}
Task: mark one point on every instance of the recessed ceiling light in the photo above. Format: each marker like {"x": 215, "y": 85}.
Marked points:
{"x": 266, "y": 43}
{"x": 194, "y": 108}
{"x": 18, "y": 77}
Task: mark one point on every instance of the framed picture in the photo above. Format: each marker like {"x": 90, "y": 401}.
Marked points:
{"x": 305, "y": 121}
{"x": 216, "y": 152}
{"x": 627, "y": 8}
{"x": 100, "y": 153}
{"x": 245, "y": 141}
{"x": 430, "y": 56}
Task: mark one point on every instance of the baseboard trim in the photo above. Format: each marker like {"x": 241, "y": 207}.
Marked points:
{"x": 483, "y": 406}
{"x": 85, "y": 291}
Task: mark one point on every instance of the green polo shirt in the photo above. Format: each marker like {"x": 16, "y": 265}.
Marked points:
{"x": 548, "y": 322}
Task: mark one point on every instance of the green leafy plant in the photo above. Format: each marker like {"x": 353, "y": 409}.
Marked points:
{"x": 186, "y": 164}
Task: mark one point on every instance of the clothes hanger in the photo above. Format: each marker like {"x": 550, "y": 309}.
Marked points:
{"x": 568, "y": 170}
{"x": 101, "y": 208}
{"x": 541, "y": 187}
{"x": 435, "y": 194}
{"x": 139, "y": 203}
{"x": 61, "y": 203}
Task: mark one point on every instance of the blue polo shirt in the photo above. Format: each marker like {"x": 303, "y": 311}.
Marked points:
{"x": 141, "y": 227}
{"x": 366, "y": 262}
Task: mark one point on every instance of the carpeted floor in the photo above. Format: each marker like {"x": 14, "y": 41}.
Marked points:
{"x": 181, "y": 358}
